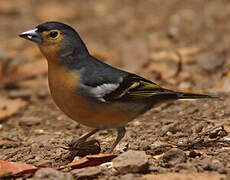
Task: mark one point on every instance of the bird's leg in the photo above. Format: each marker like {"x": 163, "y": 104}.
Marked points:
{"x": 120, "y": 134}
{"x": 83, "y": 138}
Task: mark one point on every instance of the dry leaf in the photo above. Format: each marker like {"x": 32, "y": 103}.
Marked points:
{"x": 9, "y": 107}
{"x": 90, "y": 160}
{"x": 14, "y": 168}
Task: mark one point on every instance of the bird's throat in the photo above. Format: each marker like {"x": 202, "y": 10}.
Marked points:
{"x": 50, "y": 52}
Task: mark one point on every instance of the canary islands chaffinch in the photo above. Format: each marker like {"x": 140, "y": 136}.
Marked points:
{"x": 89, "y": 91}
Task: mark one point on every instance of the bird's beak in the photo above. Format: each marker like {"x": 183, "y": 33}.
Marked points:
{"x": 32, "y": 35}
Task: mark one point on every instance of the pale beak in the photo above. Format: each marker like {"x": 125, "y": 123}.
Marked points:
{"x": 32, "y": 35}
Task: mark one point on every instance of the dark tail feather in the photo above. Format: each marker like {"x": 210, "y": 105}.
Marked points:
{"x": 181, "y": 95}
{"x": 173, "y": 95}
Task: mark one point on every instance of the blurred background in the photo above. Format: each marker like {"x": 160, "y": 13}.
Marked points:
{"x": 139, "y": 36}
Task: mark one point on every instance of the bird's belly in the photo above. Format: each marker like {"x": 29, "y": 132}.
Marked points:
{"x": 91, "y": 114}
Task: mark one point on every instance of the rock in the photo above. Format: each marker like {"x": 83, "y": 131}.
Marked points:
{"x": 51, "y": 174}
{"x": 173, "y": 31}
{"x": 174, "y": 156}
{"x": 87, "y": 173}
{"x": 131, "y": 162}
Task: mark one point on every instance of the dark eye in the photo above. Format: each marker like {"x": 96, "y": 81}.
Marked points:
{"x": 53, "y": 34}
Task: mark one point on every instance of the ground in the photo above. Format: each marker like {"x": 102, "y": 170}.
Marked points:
{"x": 146, "y": 37}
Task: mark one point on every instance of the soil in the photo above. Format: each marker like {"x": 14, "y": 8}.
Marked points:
{"x": 145, "y": 37}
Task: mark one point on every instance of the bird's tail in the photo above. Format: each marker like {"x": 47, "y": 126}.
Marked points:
{"x": 173, "y": 95}
{"x": 182, "y": 95}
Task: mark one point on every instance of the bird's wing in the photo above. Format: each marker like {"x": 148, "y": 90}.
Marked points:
{"x": 108, "y": 84}
{"x": 126, "y": 87}
{"x": 135, "y": 87}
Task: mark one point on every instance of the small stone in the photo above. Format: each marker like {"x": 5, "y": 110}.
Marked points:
{"x": 107, "y": 165}
{"x": 87, "y": 173}
{"x": 174, "y": 156}
{"x": 173, "y": 31}
{"x": 51, "y": 174}
{"x": 131, "y": 162}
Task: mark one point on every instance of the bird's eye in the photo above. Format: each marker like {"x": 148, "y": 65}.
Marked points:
{"x": 53, "y": 34}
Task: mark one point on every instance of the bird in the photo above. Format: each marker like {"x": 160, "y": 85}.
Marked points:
{"x": 90, "y": 91}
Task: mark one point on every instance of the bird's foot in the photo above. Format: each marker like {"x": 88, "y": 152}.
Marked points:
{"x": 83, "y": 148}
{"x": 76, "y": 143}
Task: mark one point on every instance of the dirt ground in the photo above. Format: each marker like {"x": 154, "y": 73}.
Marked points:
{"x": 183, "y": 139}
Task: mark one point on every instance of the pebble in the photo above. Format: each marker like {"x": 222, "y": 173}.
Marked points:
{"x": 173, "y": 31}
{"x": 131, "y": 162}
{"x": 174, "y": 156}
{"x": 51, "y": 174}
{"x": 86, "y": 173}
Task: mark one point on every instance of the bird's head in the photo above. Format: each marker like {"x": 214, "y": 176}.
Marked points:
{"x": 56, "y": 40}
